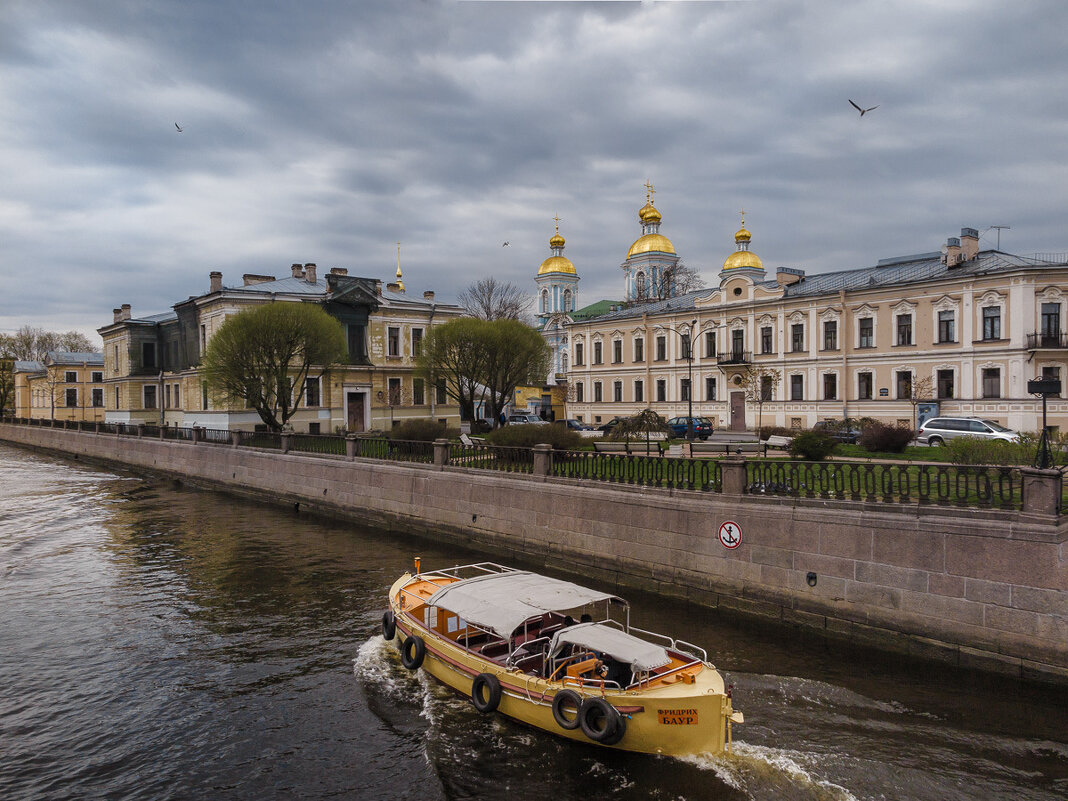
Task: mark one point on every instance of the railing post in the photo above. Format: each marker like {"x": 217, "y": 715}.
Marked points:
{"x": 235, "y": 438}
{"x": 96, "y": 427}
{"x": 441, "y": 452}
{"x": 543, "y": 456}
{"x": 285, "y": 441}
{"x": 733, "y": 475}
{"x": 1041, "y": 491}
{"x": 196, "y": 435}
{"x": 140, "y": 430}
{"x": 351, "y": 447}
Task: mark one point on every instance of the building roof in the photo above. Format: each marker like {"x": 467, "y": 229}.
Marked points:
{"x": 64, "y": 357}
{"x": 29, "y": 367}
{"x": 594, "y": 309}
{"x": 899, "y": 271}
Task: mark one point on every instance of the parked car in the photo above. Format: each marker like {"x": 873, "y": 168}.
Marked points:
{"x": 574, "y": 425}
{"x": 839, "y": 430}
{"x": 938, "y": 430}
{"x": 526, "y": 418}
{"x": 607, "y": 427}
{"x": 702, "y": 427}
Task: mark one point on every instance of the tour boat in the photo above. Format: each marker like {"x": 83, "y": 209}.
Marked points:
{"x": 559, "y": 657}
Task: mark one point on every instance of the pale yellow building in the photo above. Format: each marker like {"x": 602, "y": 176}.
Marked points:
{"x": 65, "y": 386}
{"x": 152, "y": 364}
{"x": 973, "y": 325}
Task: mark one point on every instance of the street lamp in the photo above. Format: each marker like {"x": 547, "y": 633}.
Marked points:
{"x": 687, "y": 340}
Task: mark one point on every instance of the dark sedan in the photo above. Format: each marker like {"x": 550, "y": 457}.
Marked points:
{"x": 702, "y": 427}
{"x": 839, "y": 431}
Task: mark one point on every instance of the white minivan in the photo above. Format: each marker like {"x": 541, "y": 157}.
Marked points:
{"x": 939, "y": 429}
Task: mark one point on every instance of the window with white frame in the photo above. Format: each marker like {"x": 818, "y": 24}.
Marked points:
{"x": 393, "y": 342}
{"x": 991, "y": 382}
{"x": 311, "y": 392}
{"x": 639, "y": 349}
{"x": 710, "y": 388}
{"x": 866, "y": 332}
{"x": 597, "y": 392}
{"x": 947, "y": 326}
{"x": 639, "y": 391}
{"x": 617, "y": 391}
{"x": 865, "y": 383}
{"x": 797, "y": 387}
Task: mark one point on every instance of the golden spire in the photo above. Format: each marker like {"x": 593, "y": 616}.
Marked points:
{"x": 399, "y": 281}
{"x": 557, "y": 241}
{"x": 650, "y": 193}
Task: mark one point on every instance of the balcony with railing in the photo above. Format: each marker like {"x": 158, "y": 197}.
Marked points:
{"x": 1047, "y": 340}
{"x": 735, "y": 357}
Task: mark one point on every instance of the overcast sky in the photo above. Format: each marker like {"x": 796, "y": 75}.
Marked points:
{"x": 329, "y": 133}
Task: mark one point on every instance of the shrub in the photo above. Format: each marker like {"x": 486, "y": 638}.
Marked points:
{"x": 975, "y": 450}
{"x": 528, "y": 435}
{"x": 421, "y": 429}
{"x": 880, "y": 438}
{"x": 812, "y": 446}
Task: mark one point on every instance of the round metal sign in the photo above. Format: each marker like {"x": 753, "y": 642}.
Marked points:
{"x": 730, "y": 534}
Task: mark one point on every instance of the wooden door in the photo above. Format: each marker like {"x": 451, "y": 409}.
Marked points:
{"x": 355, "y": 411}
{"x": 738, "y": 411}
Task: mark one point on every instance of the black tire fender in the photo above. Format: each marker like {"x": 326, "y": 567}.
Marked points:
{"x": 563, "y": 700}
{"x": 413, "y": 651}
{"x": 389, "y": 625}
{"x": 599, "y": 720}
{"x": 492, "y": 687}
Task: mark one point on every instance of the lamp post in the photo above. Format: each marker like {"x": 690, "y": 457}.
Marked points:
{"x": 687, "y": 340}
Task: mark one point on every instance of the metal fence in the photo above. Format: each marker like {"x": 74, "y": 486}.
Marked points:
{"x": 259, "y": 439}
{"x": 505, "y": 459}
{"x": 650, "y": 471}
{"x": 943, "y": 484}
{"x": 328, "y": 444}
{"x": 395, "y": 450}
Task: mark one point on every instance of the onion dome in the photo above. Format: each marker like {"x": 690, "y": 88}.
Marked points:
{"x": 651, "y": 243}
{"x": 649, "y": 213}
{"x": 557, "y": 241}
{"x": 557, "y": 264}
{"x": 743, "y": 257}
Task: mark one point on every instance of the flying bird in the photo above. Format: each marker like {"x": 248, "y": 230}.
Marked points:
{"x": 179, "y": 127}
{"x": 506, "y": 244}
{"x": 862, "y": 111}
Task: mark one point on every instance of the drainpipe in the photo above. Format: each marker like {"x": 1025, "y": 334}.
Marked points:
{"x": 433, "y": 391}
{"x": 159, "y": 400}
{"x": 846, "y": 338}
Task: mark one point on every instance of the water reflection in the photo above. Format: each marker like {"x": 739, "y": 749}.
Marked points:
{"x": 164, "y": 642}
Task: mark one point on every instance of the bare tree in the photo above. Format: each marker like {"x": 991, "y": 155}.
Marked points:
{"x": 31, "y": 343}
{"x": 920, "y": 390}
{"x": 674, "y": 281}
{"x": 490, "y": 299}
{"x": 759, "y": 383}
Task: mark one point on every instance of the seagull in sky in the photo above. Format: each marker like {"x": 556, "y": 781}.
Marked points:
{"x": 862, "y": 111}
{"x": 506, "y": 244}
{"x": 179, "y": 127}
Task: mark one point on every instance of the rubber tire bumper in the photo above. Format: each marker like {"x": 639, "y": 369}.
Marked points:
{"x": 389, "y": 625}
{"x": 490, "y": 683}
{"x": 597, "y": 711}
{"x": 413, "y": 651}
{"x": 571, "y": 698}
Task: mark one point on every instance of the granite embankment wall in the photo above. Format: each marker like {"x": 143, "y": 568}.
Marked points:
{"x": 985, "y": 589}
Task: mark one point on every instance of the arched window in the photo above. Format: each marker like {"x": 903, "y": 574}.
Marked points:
{"x": 641, "y": 285}
{"x": 567, "y": 300}
{"x": 563, "y": 362}
{"x": 545, "y": 300}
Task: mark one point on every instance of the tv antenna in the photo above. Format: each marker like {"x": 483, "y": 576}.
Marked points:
{"x": 999, "y": 227}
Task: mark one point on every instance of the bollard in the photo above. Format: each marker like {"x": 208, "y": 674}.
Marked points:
{"x": 543, "y": 458}
{"x": 733, "y": 472}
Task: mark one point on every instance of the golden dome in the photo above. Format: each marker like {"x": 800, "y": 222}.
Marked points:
{"x": 743, "y": 258}
{"x": 557, "y": 264}
{"x": 648, "y": 213}
{"x": 557, "y": 241}
{"x": 651, "y": 243}
{"x": 741, "y": 235}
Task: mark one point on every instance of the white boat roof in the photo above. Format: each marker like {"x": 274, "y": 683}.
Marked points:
{"x": 639, "y": 654}
{"x": 501, "y": 602}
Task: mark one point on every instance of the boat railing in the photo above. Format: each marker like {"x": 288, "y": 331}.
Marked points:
{"x": 677, "y": 645}
{"x": 596, "y": 684}
{"x": 524, "y": 650}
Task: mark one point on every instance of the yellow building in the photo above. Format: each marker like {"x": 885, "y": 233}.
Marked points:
{"x": 970, "y": 326}
{"x": 152, "y": 364}
{"x": 65, "y": 386}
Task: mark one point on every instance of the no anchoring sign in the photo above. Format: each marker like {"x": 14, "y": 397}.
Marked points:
{"x": 730, "y": 534}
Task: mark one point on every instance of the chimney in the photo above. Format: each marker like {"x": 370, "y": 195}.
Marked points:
{"x": 116, "y": 315}
{"x": 969, "y": 242}
{"x": 339, "y": 271}
{"x": 952, "y": 252}
{"x": 125, "y": 313}
{"x": 428, "y": 295}
{"x": 216, "y": 281}
{"x": 298, "y": 270}
{"x": 393, "y": 287}
{"x": 378, "y": 287}
{"x": 252, "y": 278}
{"x": 309, "y": 272}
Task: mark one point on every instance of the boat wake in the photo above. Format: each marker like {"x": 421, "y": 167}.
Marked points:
{"x": 760, "y": 772}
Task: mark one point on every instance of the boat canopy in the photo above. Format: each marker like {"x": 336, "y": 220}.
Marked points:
{"x": 623, "y": 647}
{"x": 500, "y": 602}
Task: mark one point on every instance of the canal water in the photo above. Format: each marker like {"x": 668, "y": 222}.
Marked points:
{"x": 163, "y": 642}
